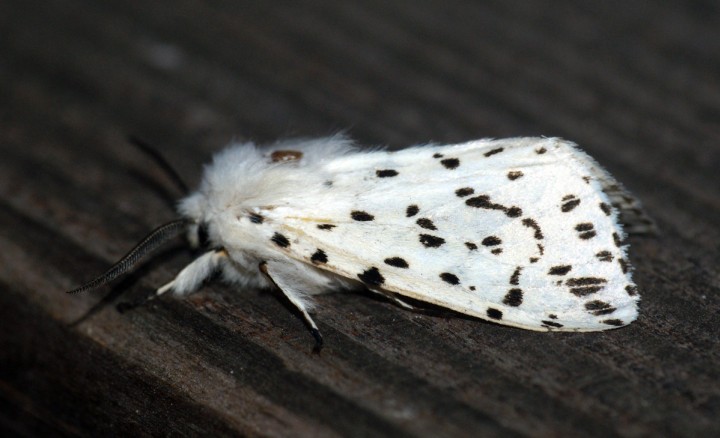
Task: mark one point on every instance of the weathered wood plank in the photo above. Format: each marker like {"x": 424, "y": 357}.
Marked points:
{"x": 636, "y": 85}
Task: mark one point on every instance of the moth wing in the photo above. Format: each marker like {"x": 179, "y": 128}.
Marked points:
{"x": 515, "y": 231}
{"x": 632, "y": 215}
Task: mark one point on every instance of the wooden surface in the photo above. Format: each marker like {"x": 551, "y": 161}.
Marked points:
{"x": 635, "y": 83}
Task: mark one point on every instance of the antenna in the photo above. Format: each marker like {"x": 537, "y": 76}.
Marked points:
{"x": 161, "y": 162}
{"x": 157, "y": 237}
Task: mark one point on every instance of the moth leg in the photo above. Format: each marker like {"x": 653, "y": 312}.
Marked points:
{"x": 297, "y": 300}
{"x": 195, "y": 273}
{"x": 392, "y": 297}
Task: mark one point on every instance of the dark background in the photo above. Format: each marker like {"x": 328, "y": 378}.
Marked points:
{"x": 634, "y": 83}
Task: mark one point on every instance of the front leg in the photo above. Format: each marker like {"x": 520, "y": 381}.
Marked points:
{"x": 288, "y": 287}
{"x": 195, "y": 273}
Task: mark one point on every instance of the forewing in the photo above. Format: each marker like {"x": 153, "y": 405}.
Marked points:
{"x": 516, "y": 231}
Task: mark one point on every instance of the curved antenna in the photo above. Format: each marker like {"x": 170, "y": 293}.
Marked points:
{"x": 157, "y": 237}
{"x": 161, "y": 162}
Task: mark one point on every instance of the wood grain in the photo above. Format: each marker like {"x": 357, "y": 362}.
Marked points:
{"x": 635, "y": 84}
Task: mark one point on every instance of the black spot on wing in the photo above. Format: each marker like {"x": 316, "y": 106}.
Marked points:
{"x": 549, "y": 324}
{"x": 471, "y": 246}
{"x": 624, "y": 266}
{"x": 326, "y": 227}
{"x": 613, "y": 322}
{"x": 559, "y": 270}
{"x": 450, "y": 163}
{"x": 631, "y": 289}
{"x": 605, "y": 208}
{"x": 465, "y": 191}
{"x": 437, "y": 155}
{"x": 584, "y": 281}
{"x": 386, "y": 173}
{"x": 431, "y": 241}
{"x": 569, "y": 203}
{"x": 514, "y": 297}
{"x": 280, "y": 240}
{"x": 372, "y": 277}
{"x": 412, "y": 210}
{"x": 426, "y": 223}
{"x": 491, "y": 241}
{"x": 397, "y": 262}
{"x": 493, "y": 152}
{"x": 540, "y": 151}
{"x": 449, "y": 278}
{"x": 319, "y": 257}
{"x": 496, "y": 251}
{"x": 513, "y": 212}
{"x": 483, "y": 201}
{"x": 494, "y": 313}
{"x": 618, "y": 241}
{"x": 585, "y": 226}
{"x": 532, "y": 223}
{"x": 583, "y": 286}
{"x": 256, "y": 218}
{"x": 597, "y": 307}
{"x": 515, "y": 277}
{"x": 604, "y": 256}
{"x": 361, "y": 216}
{"x": 586, "y": 230}
{"x": 514, "y": 174}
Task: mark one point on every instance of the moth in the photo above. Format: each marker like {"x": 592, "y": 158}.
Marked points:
{"x": 524, "y": 232}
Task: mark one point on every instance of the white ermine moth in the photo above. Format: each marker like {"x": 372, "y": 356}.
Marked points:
{"x": 524, "y": 232}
